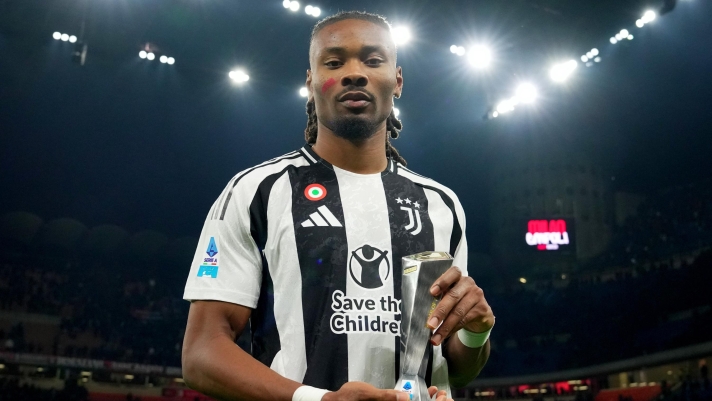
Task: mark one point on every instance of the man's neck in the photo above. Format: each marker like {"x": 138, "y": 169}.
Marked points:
{"x": 367, "y": 157}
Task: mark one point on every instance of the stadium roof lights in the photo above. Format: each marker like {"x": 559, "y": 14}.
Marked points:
{"x": 313, "y": 11}
{"x": 152, "y": 56}
{"x": 649, "y": 16}
{"x": 589, "y": 55}
{"x": 309, "y": 9}
{"x": 167, "y": 60}
{"x": 457, "y": 50}
{"x": 239, "y": 76}
{"x": 480, "y": 57}
{"x": 560, "y": 72}
{"x": 291, "y": 5}
{"x": 526, "y": 93}
{"x": 505, "y": 106}
{"x": 401, "y": 34}
{"x": 64, "y": 37}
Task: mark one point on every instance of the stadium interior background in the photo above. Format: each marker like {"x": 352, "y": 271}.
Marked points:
{"x": 588, "y": 195}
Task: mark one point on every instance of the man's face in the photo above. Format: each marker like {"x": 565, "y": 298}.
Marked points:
{"x": 353, "y": 77}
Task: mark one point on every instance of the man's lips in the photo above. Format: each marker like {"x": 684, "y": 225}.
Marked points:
{"x": 355, "y": 100}
{"x": 355, "y": 104}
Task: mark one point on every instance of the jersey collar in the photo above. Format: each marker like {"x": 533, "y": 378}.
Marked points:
{"x": 313, "y": 159}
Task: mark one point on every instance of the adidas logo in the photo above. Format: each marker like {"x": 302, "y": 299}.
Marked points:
{"x": 322, "y": 218}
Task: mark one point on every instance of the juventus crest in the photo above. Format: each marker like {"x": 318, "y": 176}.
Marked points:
{"x": 414, "y": 225}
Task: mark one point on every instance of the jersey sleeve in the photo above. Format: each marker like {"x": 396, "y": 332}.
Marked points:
{"x": 227, "y": 265}
{"x": 460, "y": 256}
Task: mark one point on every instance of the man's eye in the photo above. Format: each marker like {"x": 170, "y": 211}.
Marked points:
{"x": 333, "y": 63}
{"x": 374, "y": 61}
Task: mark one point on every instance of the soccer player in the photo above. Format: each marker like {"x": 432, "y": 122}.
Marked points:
{"x": 306, "y": 247}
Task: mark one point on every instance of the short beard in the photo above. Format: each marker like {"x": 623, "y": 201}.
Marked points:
{"x": 354, "y": 129}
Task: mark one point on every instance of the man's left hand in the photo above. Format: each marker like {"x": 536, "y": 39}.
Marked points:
{"x": 463, "y": 305}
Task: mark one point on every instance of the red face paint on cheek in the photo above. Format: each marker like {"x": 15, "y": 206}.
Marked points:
{"x": 328, "y": 84}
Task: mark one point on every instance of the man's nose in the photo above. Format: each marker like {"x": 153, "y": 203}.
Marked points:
{"x": 353, "y": 75}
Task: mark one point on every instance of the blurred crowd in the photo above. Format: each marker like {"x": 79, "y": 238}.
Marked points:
{"x": 13, "y": 390}
{"x": 595, "y": 321}
{"x": 692, "y": 388}
{"x": 676, "y": 220}
{"x": 105, "y": 311}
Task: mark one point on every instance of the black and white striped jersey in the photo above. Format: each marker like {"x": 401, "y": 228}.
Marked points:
{"x": 316, "y": 252}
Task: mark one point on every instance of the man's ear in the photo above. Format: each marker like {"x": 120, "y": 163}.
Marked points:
{"x": 399, "y": 82}
{"x": 309, "y": 86}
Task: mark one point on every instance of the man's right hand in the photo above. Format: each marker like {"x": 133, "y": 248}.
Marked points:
{"x": 360, "y": 391}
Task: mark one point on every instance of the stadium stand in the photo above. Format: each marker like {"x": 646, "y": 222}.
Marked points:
{"x": 649, "y": 294}
{"x": 673, "y": 221}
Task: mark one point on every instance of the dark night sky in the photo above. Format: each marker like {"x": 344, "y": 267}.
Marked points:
{"x": 150, "y": 146}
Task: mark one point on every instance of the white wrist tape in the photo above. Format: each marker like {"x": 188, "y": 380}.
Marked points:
{"x": 473, "y": 340}
{"x": 308, "y": 393}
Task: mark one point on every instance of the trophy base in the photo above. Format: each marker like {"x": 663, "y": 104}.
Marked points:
{"x": 415, "y": 386}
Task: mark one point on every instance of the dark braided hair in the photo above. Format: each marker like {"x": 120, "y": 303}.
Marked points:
{"x": 393, "y": 124}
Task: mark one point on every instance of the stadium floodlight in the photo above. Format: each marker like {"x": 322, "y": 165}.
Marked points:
{"x": 171, "y": 61}
{"x": 614, "y": 41}
{"x": 479, "y": 57}
{"x": 594, "y": 51}
{"x": 303, "y": 91}
{"x": 239, "y": 76}
{"x": 562, "y": 71}
{"x": 495, "y": 114}
{"x": 163, "y": 59}
{"x": 294, "y": 6}
{"x": 57, "y": 36}
{"x": 639, "y": 23}
{"x": 64, "y": 37}
{"x": 401, "y": 34}
{"x": 150, "y": 56}
{"x": 522, "y": 280}
{"x": 286, "y": 3}
{"x": 630, "y": 37}
{"x": 649, "y": 16}
{"x": 526, "y": 93}
{"x": 396, "y": 112}
{"x": 624, "y": 33}
{"x": 142, "y": 54}
{"x": 597, "y": 59}
{"x": 457, "y": 50}
{"x": 72, "y": 39}
{"x": 505, "y": 106}
{"x": 584, "y": 58}
{"x": 313, "y": 11}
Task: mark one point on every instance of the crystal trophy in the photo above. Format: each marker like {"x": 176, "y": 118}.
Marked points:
{"x": 419, "y": 273}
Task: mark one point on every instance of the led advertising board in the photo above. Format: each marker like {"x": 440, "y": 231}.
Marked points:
{"x": 550, "y": 235}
